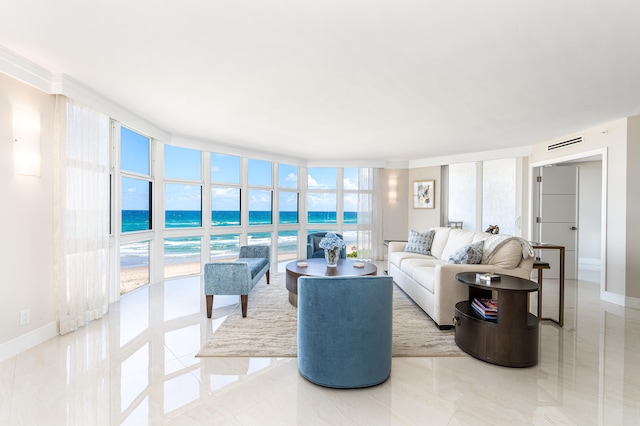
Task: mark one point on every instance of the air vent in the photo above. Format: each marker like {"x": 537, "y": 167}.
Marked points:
{"x": 564, "y": 144}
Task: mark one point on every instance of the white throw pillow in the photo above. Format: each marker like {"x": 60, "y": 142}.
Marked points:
{"x": 508, "y": 256}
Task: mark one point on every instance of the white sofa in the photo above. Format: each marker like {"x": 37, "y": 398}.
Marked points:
{"x": 431, "y": 282}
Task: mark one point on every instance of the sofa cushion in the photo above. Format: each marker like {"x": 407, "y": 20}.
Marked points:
{"x": 397, "y": 258}
{"x": 410, "y": 265}
{"x": 255, "y": 264}
{"x": 477, "y": 236}
{"x": 425, "y": 276}
{"x": 457, "y": 238}
{"x": 508, "y": 256}
{"x": 420, "y": 242}
{"x": 470, "y": 254}
{"x": 439, "y": 241}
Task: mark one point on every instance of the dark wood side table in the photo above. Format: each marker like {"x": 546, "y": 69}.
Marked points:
{"x": 318, "y": 267}
{"x": 547, "y": 246}
{"x": 512, "y": 339}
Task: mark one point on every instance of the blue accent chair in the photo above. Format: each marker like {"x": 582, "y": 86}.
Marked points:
{"x": 237, "y": 277}
{"x": 344, "y": 330}
{"x": 314, "y": 250}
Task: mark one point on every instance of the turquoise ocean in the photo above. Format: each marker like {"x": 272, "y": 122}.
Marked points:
{"x": 187, "y": 249}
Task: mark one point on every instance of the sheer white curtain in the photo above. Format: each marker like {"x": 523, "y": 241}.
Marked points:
{"x": 369, "y": 215}
{"x": 81, "y": 214}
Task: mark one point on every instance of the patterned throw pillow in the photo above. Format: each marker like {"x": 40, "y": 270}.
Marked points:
{"x": 470, "y": 255}
{"x": 420, "y": 242}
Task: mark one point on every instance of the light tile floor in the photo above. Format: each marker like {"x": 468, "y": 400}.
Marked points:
{"x": 137, "y": 366}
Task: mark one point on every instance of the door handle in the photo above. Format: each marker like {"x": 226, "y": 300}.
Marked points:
{"x": 573, "y": 228}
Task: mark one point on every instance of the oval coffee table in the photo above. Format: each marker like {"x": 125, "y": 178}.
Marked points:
{"x": 318, "y": 268}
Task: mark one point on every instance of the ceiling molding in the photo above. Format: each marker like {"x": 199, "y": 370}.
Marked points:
{"x": 472, "y": 157}
{"x": 24, "y": 70}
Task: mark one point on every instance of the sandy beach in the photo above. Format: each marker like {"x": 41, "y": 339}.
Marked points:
{"x": 137, "y": 276}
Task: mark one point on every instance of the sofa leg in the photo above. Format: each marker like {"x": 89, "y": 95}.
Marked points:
{"x": 244, "y": 298}
{"x": 267, "y": 276}
{"x": 209, "y": 305}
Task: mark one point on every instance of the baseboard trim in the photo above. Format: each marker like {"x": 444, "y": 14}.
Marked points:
{"x": 27, "y": 341}
{"x": 589, "y": 264}
{"x": 614, "y": 298}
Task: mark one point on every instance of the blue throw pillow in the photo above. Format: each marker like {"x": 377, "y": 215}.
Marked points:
{"x": 469, "y": 255}
{"x": 420, "y": 242}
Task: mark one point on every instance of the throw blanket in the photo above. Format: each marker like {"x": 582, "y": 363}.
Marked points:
{"x": 493, "y": 243}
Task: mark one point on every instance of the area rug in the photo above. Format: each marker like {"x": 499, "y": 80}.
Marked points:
{"x": 270, "y": 328}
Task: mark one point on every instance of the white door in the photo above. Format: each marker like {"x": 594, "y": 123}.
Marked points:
{"x": 558, "y": 217}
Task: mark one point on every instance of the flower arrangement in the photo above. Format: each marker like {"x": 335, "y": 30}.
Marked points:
{"x": 332, "y": 244}
{"x": 331, "y": 241}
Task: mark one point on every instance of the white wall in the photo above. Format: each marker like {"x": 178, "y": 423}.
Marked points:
{"x": 632, "y": 199}
{"x": 612, "y": 137}
{"x": 26, "y": 252}
{"x": 394, "y": 192}
{"x": 423, "y": 219}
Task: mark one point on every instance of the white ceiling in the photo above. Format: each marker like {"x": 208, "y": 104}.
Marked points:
{"x": 346, "y": 80}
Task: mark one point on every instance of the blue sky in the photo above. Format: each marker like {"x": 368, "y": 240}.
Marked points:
{"x": 185, "y": 164}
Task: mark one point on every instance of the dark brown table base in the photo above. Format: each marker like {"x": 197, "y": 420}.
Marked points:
{"x": 318, "y": 267}
{"x": 512, "y": 340}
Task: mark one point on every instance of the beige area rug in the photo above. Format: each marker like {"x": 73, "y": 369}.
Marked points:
{"x": 270, "y": 328}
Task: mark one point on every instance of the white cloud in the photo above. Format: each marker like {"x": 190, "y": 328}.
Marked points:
{"x": 311, "y": 182}
{"x": 224, "y": 192}
{"x": 348, "y": 184}
{"x": 292, "y": 177}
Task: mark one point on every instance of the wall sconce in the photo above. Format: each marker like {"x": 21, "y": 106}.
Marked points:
{"x": 26, "y": 141}
{"x": 393, "y": 189}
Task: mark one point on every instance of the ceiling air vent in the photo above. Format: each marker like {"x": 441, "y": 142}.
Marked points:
{"x": 564, "y": 144}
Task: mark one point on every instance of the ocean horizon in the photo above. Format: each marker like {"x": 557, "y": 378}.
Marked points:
{"x": 188, "y": 249}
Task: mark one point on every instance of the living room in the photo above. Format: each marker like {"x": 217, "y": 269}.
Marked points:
{"x": 614, "y": 140}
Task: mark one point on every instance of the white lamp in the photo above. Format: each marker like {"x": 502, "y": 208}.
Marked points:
{"x": 26, "y": 141}
{"x": 393, "y": 188}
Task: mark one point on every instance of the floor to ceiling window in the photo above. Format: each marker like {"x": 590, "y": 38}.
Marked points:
{"x": 136, "y": 202}
{"x": 251, "y": 202}
{"x": 482, "y": 194}
{"x": 182, "y": 211}
{"x": 288, "y": 212}
{"x": 322, "y": 207}
{"x": 224, "y": 242}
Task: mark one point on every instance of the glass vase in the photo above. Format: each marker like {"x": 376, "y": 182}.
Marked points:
{"x": 332, "y": 256}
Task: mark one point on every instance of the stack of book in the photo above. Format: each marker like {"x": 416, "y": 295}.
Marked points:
{"x": 487, "y": 308}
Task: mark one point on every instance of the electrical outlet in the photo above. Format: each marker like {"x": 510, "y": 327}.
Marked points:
{"x": 25, "y": 317}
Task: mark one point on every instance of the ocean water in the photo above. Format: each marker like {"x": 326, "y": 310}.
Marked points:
{"x": 187, "y": 249}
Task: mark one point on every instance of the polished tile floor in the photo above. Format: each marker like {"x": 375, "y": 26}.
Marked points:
{"x": 137, "y": 366}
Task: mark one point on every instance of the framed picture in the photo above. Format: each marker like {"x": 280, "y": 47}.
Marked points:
{"x": 424, "y": 192}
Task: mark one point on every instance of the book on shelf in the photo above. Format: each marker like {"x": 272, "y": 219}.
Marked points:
{"x": 486, "y": 308}
{"x": 490, "y": 305}
{"x": 487, "y": 277}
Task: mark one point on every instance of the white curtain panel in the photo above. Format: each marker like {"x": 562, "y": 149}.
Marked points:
{"x": 369, "y": 215}
{"x": 81, "y": 214}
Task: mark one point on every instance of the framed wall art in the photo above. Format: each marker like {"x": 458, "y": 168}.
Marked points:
{"x": 424, "y": 192}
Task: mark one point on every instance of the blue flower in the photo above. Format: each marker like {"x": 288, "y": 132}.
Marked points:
{"x": 331, "y": 241}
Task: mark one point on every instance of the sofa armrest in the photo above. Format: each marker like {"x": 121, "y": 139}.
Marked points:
{"x": 450, "y": 291}
{"x": 396, "y": 246}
